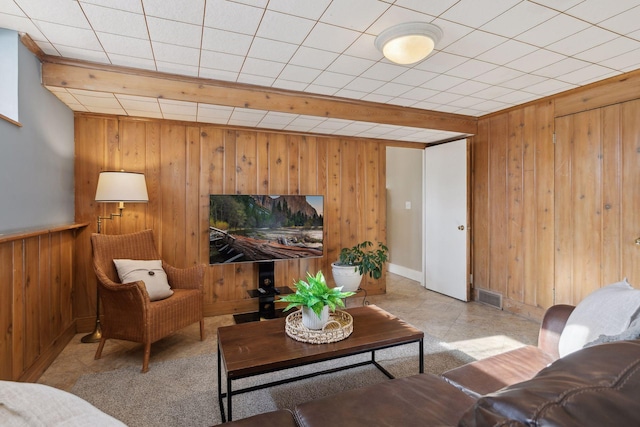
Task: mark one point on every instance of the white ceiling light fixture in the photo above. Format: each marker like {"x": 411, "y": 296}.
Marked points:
{"x": 408, "y": 43}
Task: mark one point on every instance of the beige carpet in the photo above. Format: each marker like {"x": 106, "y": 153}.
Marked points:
{"x": 183, "y": 392}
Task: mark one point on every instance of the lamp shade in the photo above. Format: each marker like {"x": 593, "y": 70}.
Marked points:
{"x": 121, "y": 187}
{"x": 408, "y": 43}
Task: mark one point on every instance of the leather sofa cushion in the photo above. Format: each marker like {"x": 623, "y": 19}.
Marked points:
{"x": 280, "y": 418}
{"x": 423, "y": 399}
{"x": 491, "y": 374}
{"x": 596, "y": 386}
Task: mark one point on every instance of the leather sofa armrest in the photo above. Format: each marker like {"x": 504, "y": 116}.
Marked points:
{"x": 553, "y": 322}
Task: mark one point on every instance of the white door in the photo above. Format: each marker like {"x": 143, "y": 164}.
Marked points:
{"x": 445, "y": 241}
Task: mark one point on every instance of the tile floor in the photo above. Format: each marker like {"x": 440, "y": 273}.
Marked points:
{"x": 472, "y": 328}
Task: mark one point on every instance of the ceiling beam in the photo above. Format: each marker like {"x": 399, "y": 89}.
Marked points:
{"x": 72, "y": 74}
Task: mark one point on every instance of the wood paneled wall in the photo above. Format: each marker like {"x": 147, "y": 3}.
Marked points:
{"x": 513, "y": 207}
{"x": 184, "y": 163}
{"x": 36, "y": 319}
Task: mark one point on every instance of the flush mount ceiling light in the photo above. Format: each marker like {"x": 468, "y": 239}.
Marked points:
{"x": 408, "y": 43}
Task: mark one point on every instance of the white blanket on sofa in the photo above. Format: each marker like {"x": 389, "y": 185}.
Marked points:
{"x": 28, "y": 404}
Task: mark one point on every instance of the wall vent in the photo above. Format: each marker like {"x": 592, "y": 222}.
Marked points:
{"x": 490, "y": 298}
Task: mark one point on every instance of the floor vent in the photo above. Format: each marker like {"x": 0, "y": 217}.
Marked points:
{"x": 491, "y": 298}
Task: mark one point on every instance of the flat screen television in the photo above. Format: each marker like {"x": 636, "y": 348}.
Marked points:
{"x": 251, "y": 228}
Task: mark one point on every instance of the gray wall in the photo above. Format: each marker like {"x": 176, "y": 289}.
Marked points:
{"x": 404, "y": 226}
{"x": 36, "y": 160}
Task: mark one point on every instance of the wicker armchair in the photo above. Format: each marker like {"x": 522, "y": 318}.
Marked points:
{"x": 128, "y": 312}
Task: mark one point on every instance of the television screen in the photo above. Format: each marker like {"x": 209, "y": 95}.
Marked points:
{"x": 245, "y": 228}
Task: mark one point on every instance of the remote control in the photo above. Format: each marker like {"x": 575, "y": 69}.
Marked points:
{"x": 262, "y": 291}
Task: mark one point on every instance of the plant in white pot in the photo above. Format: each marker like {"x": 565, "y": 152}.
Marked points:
{"x": 357, "y": 261}
{"x": 316, "y": 299}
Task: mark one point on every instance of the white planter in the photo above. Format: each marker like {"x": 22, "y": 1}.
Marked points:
{"x": 346, "y": 276}
{"x": 311, "y": 320}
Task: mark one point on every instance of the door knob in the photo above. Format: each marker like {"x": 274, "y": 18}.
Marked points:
{"x": 461, "y": 228}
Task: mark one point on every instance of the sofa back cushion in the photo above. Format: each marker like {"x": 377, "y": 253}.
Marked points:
{"x": 595, "y": 386}
{"x": 606, "y": 311}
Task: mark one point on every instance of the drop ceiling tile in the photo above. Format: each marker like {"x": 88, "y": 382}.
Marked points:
{"x": 414, "y": 77}
{"x": 21, "y": 24}
{"x": 595, "y": 11}
{"x": 553, "y": 30}
{"x": 452, "y": 33}
{"x": 384, "y": 71}
{"x": 364, "y": 47}
{"x": 129, "y": 46}
{"x": 535, "y": 60}
{"x": 64, "y": 13}
{"x": 440, "y": 62}
{"x": 396, "y": 15}
{"x": 402, "y": 102}
{"x": 345, "y": 93}
{"x": 354, "y": 14}
{"x": 84, "y": 54}
{"x": 584, "y": 40}
{"x": 221, "y": 61}
{"x": 246, "y": 123}
{"x": 179, "y": 117}
{"x": 69, "y": 36}
{"x": 362, "y": 84}
{"x": 212, "y": 120}
{"x": 91, "y": 94}
{"x": 218, "y": 113}
{"x": 516, "y": 97}
{"x": 506, "y": 52}
{"x": 442, "y": 82}
{"x": 330, "y": 37}
{"x": 225, "y": 41}
{"x": 444, "y": 98}
{"x": 252, "y": 79}
{"x": 333, "y": 80}
{"x": 127, "y": 5}
{"x": 78, "y": 107}
{"x": 587, "y": 75}
{"x": 175, "y": 33}
{"x": 559, "y": 68}
{"x": 518, "y": 19}
{"x": 350, "y": 65}
{"x": 130, "y": 61}
{"x": 475, "y": 43}
{"x": 475, "y": 13}
{"x": 321, "y": 90}
{"x": 208, "y": 73}
{"x": 107, "y": 110}
{"x": 66, "y": 97}
{"x": 232, "y": 16}
{"x": 465, "y": 101}
{"x": 96, "y": 101}
{"x": 488, "y": 106}
{"x": 376, "y": 97}
{"x": 274, "y": 118}
{"x": 548, "y": 86}
{"x": 419, "y": 93}
{"x": 9, "y": 7}
{"x": 55, "y": 89}
{"x": 115, "y": 21}
{"x": 560, "y": 5}
{"x": 143, "y": 113}
{"x": 173, "y": 68}
{"x": 310, "y": 9}
{"x": 284, "y": 28}
{"x": 256, "y": 3}
{"x": 246, "y": 114}
{"x": 313, "y": 58}
{"x": 623, "y": 23}
{"x": 434, "y": 8}
{"x": 624, "y": 62}
{"x": 392, "y": 89}
{"x": 307, "y": 121}
{"x": 47, "y": 48}
{"x": 290, "y": 85}
{"x": 523, "y": 81}
{"x": 296, "y": 73}
{"x": 271, "y": 50}
{"x": 471, "y": 69}
{"x": 170, "y": 106}
{"x": 139, "y": 105}
{"x": 610, "y": 49}
{"x": 189, "y": 11}
{"x": 335, "y": 124}
{"x": 468, "y": 88}
{"x": 498, "y": 76}
{"x": 492, "y": 92}
{"x": 260, "y": 67}
{"x": 175, "y": 54}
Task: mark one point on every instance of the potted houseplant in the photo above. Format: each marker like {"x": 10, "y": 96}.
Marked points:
{"x": 357, "y": 261}
{"x": 316, "y": 299}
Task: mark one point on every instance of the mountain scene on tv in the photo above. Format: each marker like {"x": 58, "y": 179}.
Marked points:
{"x": 246, "y": 228}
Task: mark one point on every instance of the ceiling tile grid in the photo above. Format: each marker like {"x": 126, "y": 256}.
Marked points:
{"x": 494, "y": 53}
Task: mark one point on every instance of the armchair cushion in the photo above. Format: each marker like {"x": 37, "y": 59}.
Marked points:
{"x": 148, "y": 271}
{"x": 606, "y": 311}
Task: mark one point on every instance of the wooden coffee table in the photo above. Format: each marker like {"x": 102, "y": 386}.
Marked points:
{"x": 256, "y": 348}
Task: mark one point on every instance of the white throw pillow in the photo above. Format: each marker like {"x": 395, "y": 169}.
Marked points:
{"x": 606, "y": 311}
{"x": 150, "y": 272}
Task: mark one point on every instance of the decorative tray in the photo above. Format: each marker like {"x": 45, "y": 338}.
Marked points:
{"x": 339, "y": 327}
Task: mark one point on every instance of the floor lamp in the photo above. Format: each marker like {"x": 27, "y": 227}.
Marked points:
{"x": 116, "y": 187}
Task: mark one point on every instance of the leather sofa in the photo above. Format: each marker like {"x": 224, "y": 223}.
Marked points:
{"x": 529, "y": 386}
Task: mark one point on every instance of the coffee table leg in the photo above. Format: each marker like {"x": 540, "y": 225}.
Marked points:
{"x": 421, "y": 351}
{"x": 229, "y": 399}
{"x": 220, "y": 402}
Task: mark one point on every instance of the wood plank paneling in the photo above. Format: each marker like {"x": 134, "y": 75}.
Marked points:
{"x": 186, "y": 163}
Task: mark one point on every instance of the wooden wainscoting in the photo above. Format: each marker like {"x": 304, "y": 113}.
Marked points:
{"x": 36, "y": 288}
{"x": 186, "y": 162}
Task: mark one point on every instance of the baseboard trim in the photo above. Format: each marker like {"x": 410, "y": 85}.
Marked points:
{"x": 37, "y": 368}
{"x": 406, "y": 272}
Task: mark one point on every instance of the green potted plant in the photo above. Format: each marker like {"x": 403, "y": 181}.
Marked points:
{"x": 355, "y": 262}
{"x": 316, "y": 299}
